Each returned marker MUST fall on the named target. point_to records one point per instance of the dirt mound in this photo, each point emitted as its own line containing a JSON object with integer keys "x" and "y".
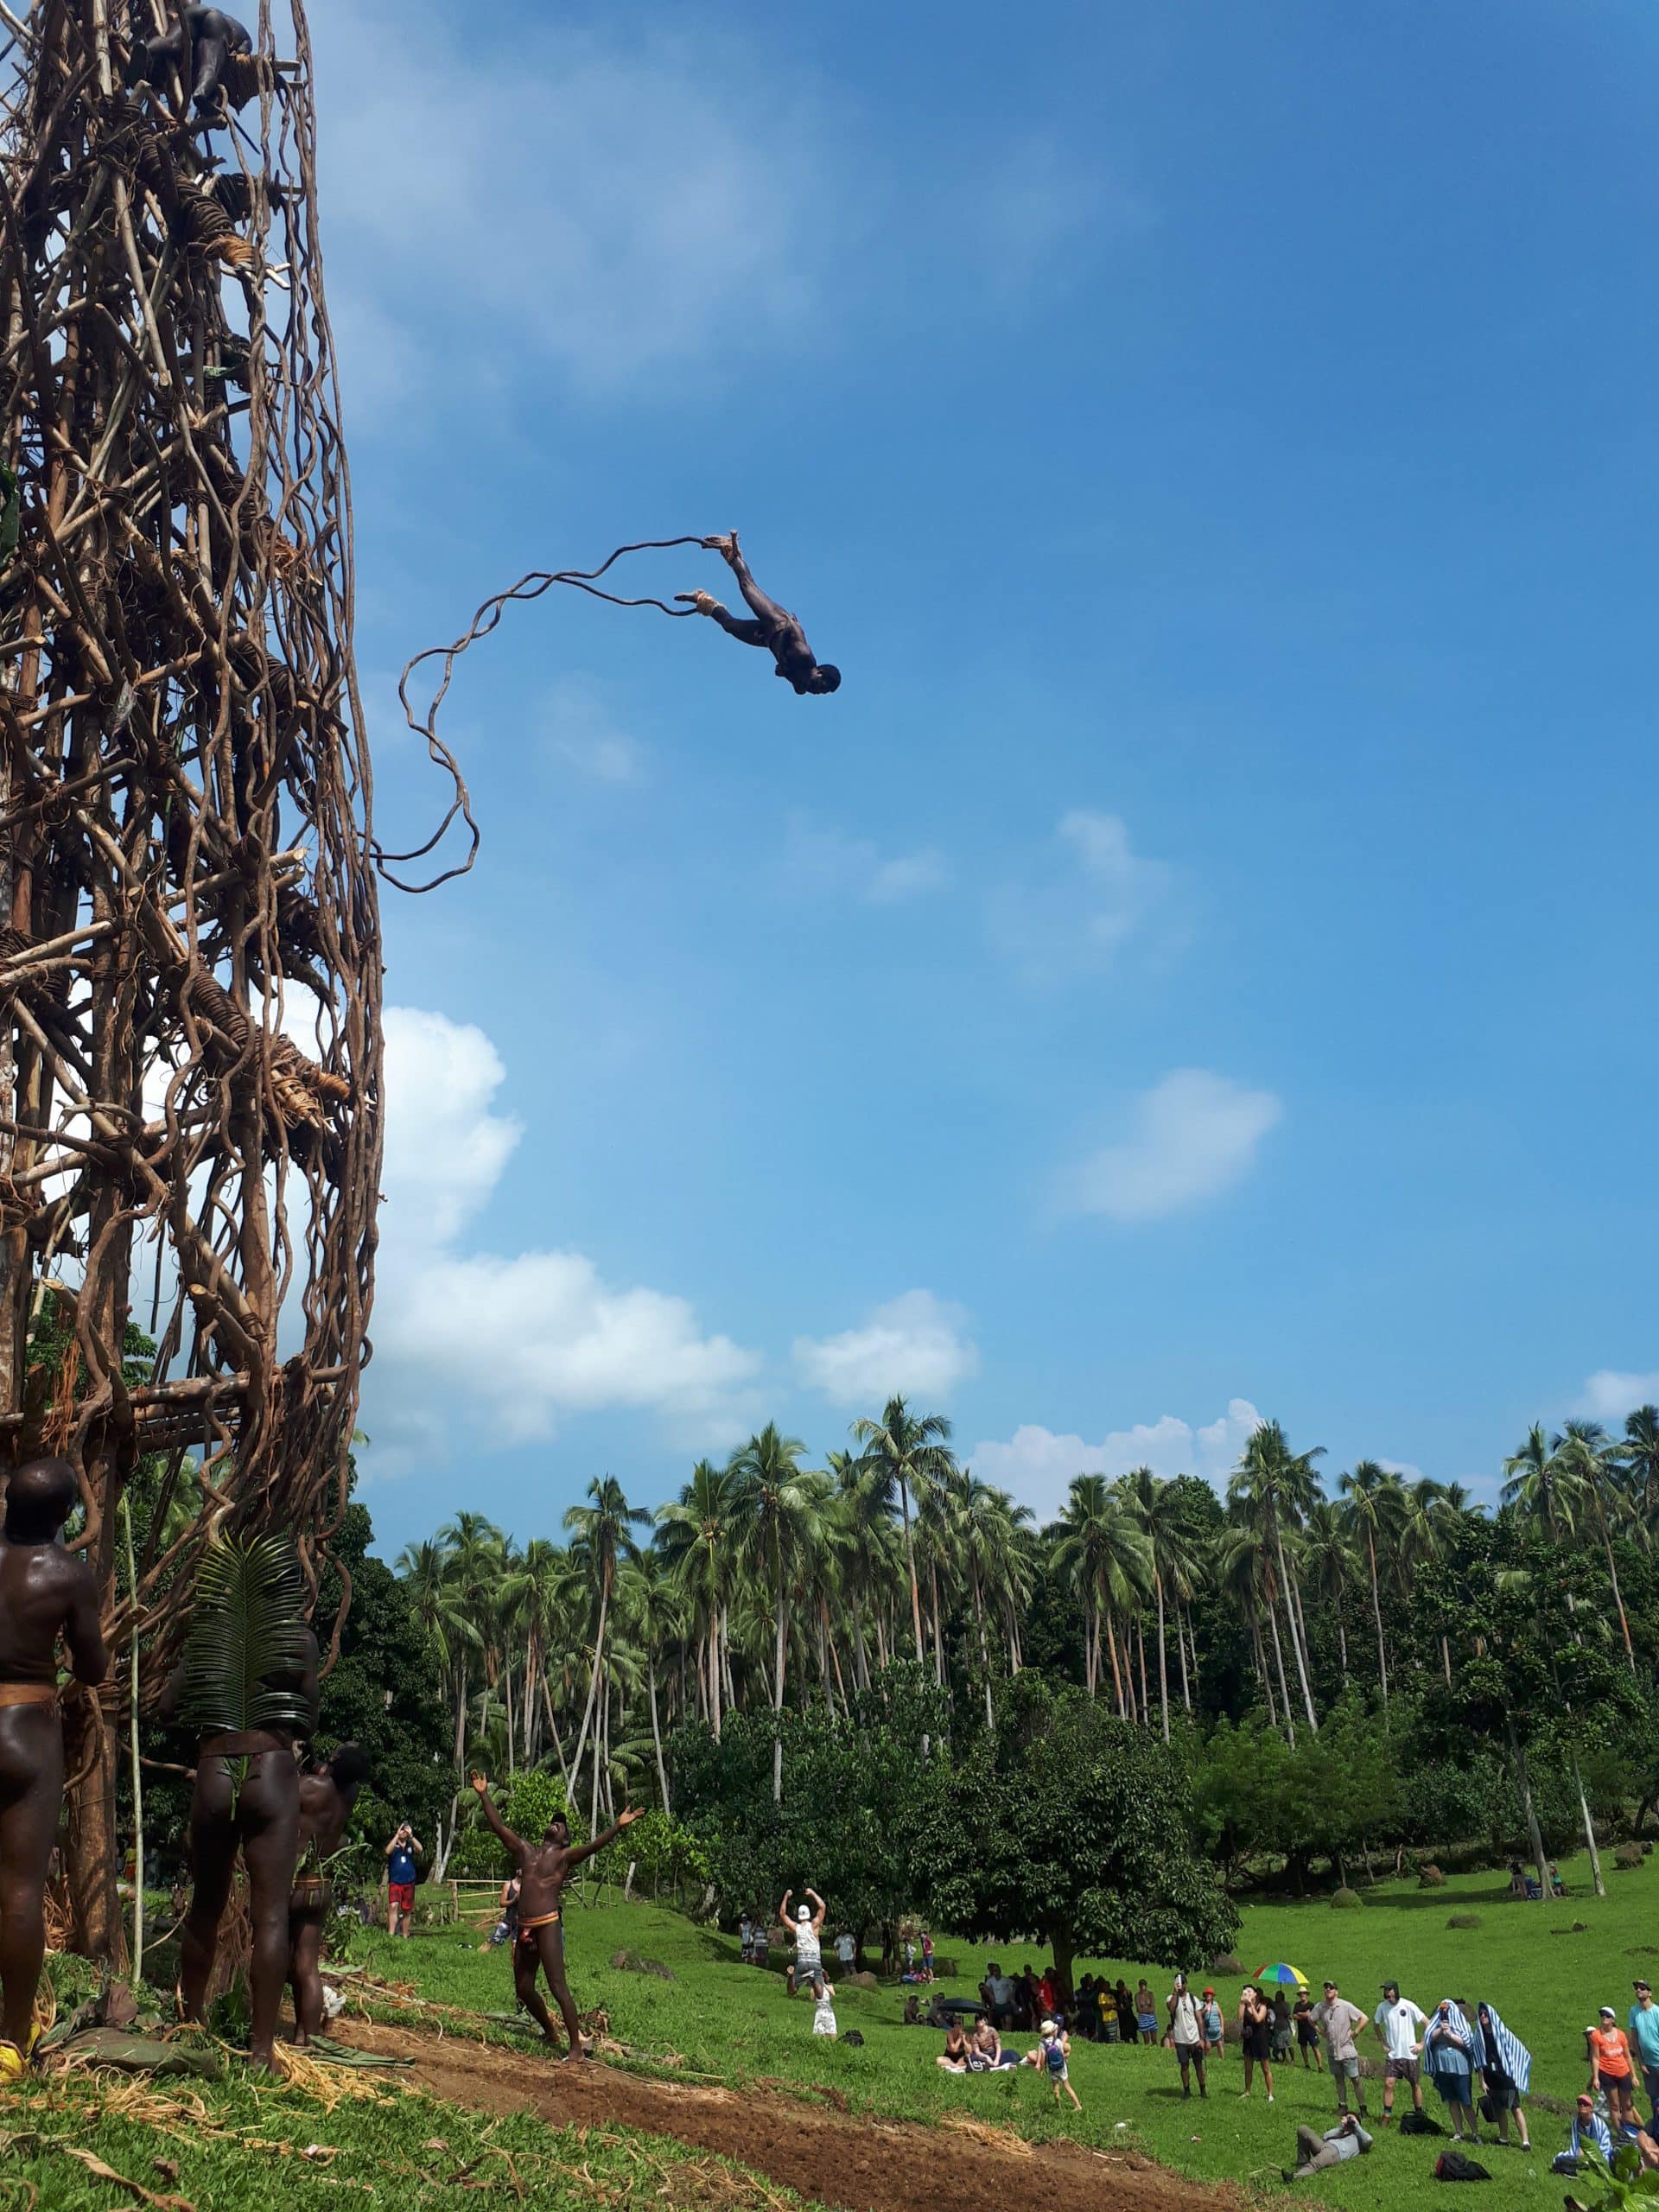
{"x": 852, "y": 2161}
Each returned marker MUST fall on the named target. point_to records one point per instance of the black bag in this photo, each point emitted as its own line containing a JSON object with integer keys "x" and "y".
{"x": 1488, "y": 2110}
{"x": 853, "y": 2036}
{"x": 1451, "y": 2165}
{"x": 1419, "y": 2123}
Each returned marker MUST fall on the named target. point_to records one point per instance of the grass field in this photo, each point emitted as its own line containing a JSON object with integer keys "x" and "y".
{"x": 720, "y": 2018}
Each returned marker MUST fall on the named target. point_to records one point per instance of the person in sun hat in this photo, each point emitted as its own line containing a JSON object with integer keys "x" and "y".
{"x": 1608, "y": 2050}
{"x": 1214, "y": 2022}
{"x": 1398, "y": 2026}
{"x": 1643, "y": 2027}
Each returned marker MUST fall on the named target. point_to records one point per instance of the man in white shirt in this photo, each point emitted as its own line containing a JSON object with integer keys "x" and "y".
{"x": 846, "y": 1950}
{"x": 1186, "y": 2034}
{"x": 1000, "y": 1988}
{"x": 807, "y": 1928}
{"x": 1399, "y": 2024}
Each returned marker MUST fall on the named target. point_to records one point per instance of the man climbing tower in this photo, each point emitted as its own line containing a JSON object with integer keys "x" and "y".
{"x": 45, "y": 1593}
{"x": 200, "y": 42}
{"x": 773, "y": 626}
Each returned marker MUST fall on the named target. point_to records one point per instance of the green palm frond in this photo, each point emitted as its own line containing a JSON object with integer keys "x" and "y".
{"x": 247, "y": 1646}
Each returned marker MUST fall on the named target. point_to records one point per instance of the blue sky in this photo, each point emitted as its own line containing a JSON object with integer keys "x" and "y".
{"x": 1201, "y": 961}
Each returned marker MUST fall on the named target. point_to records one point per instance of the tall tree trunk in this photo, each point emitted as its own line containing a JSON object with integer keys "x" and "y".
{"x": 553, "y": 1730}
{"x": 1341, "y": 1639}
{"x": 1535, "y": 1834}
{"x": 984, "y": 1654}
{"x": 1612, "y": 1576}
{"x": 1163, "y": 1660}
{"x": 909, "y": 1564}
{"x": 1296, "y": 1641}
{"x": 590, "y": 1710}
{"x": 778, "y": 1692}
{"x": 1180, "y": 1647}
{"x": 1279, "y": 1661}
{"x": 1376, "y": 1608}
{"x": 655, "y": 1730}
{"x": 1589, "y": 1830}
{"x": 1141, "y": 1648}
{"x": 939, "y": 1638}
{"x": 1186, "y": 1614}
{"x": 1117, "y": 1677}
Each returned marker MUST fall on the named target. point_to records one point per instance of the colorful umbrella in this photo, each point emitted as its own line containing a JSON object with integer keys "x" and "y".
{"x": 1287, "y": 1977}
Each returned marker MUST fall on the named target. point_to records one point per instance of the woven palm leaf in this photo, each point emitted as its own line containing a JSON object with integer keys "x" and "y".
{"x": 247, "y": 1632}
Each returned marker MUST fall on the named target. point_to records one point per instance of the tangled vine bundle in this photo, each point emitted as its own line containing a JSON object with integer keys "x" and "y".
{"x": 190, "y": 955}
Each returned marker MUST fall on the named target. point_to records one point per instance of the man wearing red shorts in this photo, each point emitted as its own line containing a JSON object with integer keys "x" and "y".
{"x": 401, "y": 1854}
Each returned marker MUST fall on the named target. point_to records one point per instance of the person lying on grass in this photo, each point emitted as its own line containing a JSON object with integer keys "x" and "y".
{"x": 543, "y": 1870}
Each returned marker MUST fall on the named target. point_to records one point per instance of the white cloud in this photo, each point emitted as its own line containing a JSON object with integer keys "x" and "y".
{"x": 1038, "y": 1466}
{"x": 608, "y": 202}
{"x": 913, "y": 1346}
{"x": 521, "y": 1338}
{"x": 1193, "y": 1135}
{"x": 1072, "y": 911}
{"x": 580, "y": 730}
{"x": 1610, "y": 1394}
{"x": 1036, "y": 214}
{"x": 828, "y": 861}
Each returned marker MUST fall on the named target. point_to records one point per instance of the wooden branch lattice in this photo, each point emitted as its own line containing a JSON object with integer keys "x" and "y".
{"x": 189, "y": 932}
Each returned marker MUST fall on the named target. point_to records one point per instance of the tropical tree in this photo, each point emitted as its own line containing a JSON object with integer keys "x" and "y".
{"x": 1377, "y": 1511}
{"x": 602, "y": 1531}
{"x": 1103, "y": 1554}
{"x": 907, "y": 1455}
{"x": 1271, "y": 1488}
{"x": 777, "y": 1505}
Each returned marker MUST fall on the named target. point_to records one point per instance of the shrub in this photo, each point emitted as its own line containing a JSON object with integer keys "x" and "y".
{"x": 1430, "y": 1878}
{"x": 1346, "y": 1900}
{"x": 1628, "y": 1855}
{"x": 1225, "y": 1962}
{"x": 1464, "y": 1920}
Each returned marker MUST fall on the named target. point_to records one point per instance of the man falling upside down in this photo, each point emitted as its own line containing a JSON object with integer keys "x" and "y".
{"x": 773, "y": 626}
{"x": 543, "y": 1870}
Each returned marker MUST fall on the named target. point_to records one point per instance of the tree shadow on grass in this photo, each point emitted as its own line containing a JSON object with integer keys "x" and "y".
{"x": 1446, "y": 1900}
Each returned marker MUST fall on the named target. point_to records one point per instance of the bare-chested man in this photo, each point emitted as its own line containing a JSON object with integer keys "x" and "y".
{"x": 44, "y": 1593}
{"x": 254, "y": 1809}
{"x": 773, "y": 626}
{"x": 543, "y": 1870}
{"x": 200, "y": 42}
{"x": 326, "y": 1800}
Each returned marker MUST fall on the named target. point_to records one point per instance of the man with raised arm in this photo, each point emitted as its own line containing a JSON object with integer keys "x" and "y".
{"x": 44, "y": 1595}
{"x": 543, "y": 1870}
{"x": 807, "y": 1929}
{"x": 773, "y": 626}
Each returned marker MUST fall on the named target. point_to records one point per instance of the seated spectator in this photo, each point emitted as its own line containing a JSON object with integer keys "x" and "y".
{"x": 985, "y": 2052}
{"x": 912, "y": 2013}
{"x": 1347, "y": 2139}
{"x": 938, "y": 2014}
{"x": 1534, "y": 1894}
{"x": 954, "y": 2058}
{"x": 1518, "y": 1878}
{"x": 1590, "y": 2132}
{"x": 1558, "y": 1888}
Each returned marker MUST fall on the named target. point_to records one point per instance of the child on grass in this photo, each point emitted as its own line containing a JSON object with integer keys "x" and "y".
{"x": 1051, "y": 2056}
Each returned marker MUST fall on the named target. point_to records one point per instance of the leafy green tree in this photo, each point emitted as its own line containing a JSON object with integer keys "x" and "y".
{"x": 1072, "y": 1822}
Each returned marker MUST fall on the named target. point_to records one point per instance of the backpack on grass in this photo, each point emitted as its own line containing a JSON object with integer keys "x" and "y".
{"x": 1451, "y": 2165}
{"x": 1419, "y": 2123}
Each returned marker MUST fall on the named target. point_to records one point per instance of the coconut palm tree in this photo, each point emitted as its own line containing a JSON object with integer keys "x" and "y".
{"x": 1377, "y": 1511}
{"x": 652, "y": 1607}
{"x": 602, "y": 1535}
{"x": 1331, "y": 1560}
{"x": 1637, "y": 1457}
{"x": 1271, "y": 1488}
{"x": 698, "y": 1535}
{"x": 984, "y": 1522}
{"x": 1584, "y": 1459}
{"x": 1103, "y": 1553}
{"x": 907, "y": 1455}
{"x": 777, "y": 1503}
{"x": 1171, "y": 1553}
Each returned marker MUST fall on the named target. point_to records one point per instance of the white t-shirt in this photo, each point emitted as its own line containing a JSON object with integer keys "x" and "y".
{"x": 1184, "y": 2018}
{"x": 1001, "y": 1990}
{"x": 845, "y": 1948}
{"x": 1402, "y": 2023}
{"x": 744, "y": 1932}
{"x": 807, "y": 1950}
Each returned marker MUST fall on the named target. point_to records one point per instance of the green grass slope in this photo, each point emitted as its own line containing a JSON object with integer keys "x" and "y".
{"x": 719, "y": 2017}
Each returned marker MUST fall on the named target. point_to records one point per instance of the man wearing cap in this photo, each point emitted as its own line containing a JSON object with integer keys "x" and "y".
{"x": 1342, "y": 2024}
{"x": 807, "y": 1929}
{"x": 1644, "y": 2025}
{"x": 1399, "y": 2024}
{"x": 1590, "y": 2132}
